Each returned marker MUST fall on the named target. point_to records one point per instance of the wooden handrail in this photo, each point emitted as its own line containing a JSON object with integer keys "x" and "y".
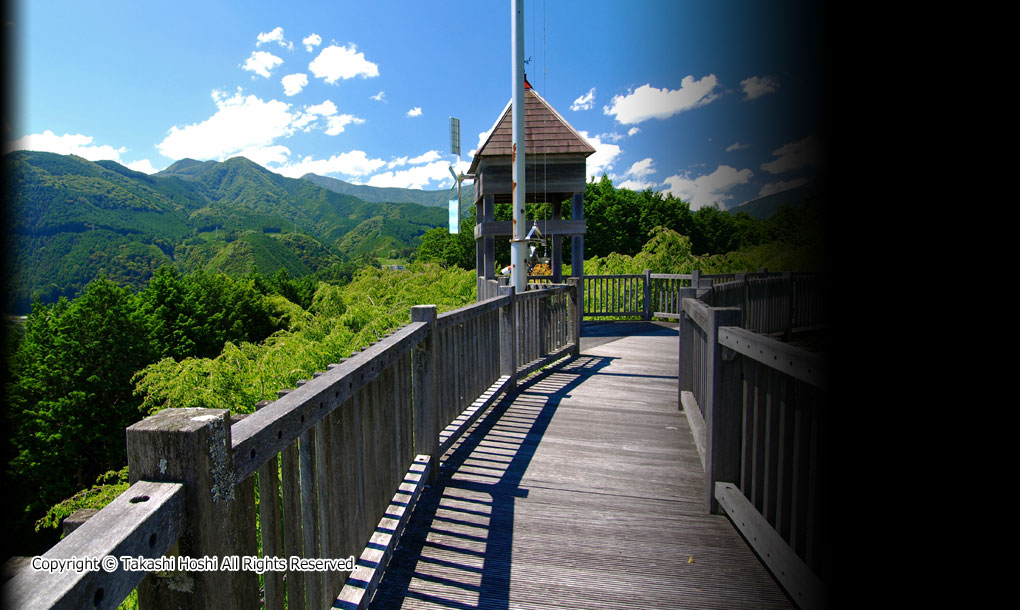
{"x": 326, "y": 457}
{"x": 757, "y": 409}
{"x": 145, "y": 521}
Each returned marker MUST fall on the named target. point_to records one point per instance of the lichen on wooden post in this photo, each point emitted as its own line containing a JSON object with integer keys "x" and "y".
{"x": 192, "y": 446}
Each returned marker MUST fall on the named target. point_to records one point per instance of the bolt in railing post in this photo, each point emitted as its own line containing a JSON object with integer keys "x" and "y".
{"x": 192, "y": 446}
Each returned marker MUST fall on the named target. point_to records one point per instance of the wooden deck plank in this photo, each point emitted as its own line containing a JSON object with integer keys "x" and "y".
{"x": 585, "y": 490}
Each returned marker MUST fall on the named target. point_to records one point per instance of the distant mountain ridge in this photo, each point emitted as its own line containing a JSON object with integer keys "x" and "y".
{"x": 765, "y": 206}
{"x": 73, "y": 220}
{"x": 381, "y": 194}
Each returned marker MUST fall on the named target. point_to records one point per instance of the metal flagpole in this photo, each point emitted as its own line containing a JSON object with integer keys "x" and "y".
{"x": 518, "y": 270}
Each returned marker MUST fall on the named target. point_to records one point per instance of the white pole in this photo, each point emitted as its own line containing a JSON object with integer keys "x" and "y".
{"x": 518, "y": 270}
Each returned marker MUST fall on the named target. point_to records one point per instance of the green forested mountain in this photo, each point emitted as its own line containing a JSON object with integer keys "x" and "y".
{"x": 387, "y": 194}
{"x": 72, "y": 220}
{"x": 767, "y": 205}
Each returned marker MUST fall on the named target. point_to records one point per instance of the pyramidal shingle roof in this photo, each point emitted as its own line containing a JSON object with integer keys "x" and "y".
{"x": 545, "y": 132}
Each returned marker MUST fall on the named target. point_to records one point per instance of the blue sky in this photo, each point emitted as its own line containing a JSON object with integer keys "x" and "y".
{"x": 713, "y": 101}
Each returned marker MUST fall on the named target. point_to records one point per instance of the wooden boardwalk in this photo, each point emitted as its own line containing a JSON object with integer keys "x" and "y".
{"x": 583, "y": 491}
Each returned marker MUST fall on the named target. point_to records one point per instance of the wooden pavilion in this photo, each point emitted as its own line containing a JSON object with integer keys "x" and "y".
{"x": 554, "y": 172}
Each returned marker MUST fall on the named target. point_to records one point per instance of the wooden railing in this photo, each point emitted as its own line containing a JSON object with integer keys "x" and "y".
{"x": 646, "y": 295}
{"x": 774, "y": 304}
{"x": 329, "y": 471}
{"x": 758, "y": 410}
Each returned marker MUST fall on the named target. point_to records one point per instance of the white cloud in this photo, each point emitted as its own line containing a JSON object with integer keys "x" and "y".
{"x": 430, "y": 156}
{"x": 80, "y": 145}
{"x": 294, "y": 83}
{"x": 737, "y": 146}
{"x": 379, "y": 97}
{"x": 642, "y": 168}
{"x": 602, "y": 160}
{"x": 241, "y": 123}
{"x": 311, "y": 41}
{"x": 67, "y": 144}
{"x": 795, "y": 155}
{"x": 416, "y": 111}
{"x": 708, "y": 189}
{"x": 336, "y": 62}
{"x": 636, "y": 185}
{"x": 275, "y": 36}
{"x": 647, "y": 102}
{"x": 585, "y": 102}
{"x": 633, "y": 130}
{"x": 336, "y": 124}
{"x": 757, "y": 86}
{"x": 418, "y": 177}
{"x": 351, "y": 163}
{"x": 482, "y": 137}
{"x": 636, "y": 175}
{"x": 266, "y": 156}
{"x": 261, "y": 63}
{"x": 327, "y": 108}
{"x": 778, "y": 187}
{"x": 427, "y": 157}
{"x": 143, "y": 166}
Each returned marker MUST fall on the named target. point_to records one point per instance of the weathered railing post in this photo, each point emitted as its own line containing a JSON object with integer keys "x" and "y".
{"x": 192, "y": 446}
{"x": 423, "y": 391}
{"x": 685, "y": 381}
{"x": 722, "y": 407}
{"x": 574, "y": 314}
{"x": 508, "y": 337}
{"x": 647, "y": 310}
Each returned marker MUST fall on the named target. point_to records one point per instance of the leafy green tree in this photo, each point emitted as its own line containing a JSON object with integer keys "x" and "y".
{"x": 71, "y": 395}
{"x": 196, "y": 314}
{"x": 438, "y": 245}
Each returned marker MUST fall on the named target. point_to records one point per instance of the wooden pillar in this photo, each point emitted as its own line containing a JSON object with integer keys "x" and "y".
{"x": 575, "y": 314}
{"x": 269, "y": 518}
{"x": 508, "y": 338}
{"x": 557, "y": 244}
{"x": 479, "y": 249}
{"x": 489, "y": 257}
{"x": 646, "y": 312}
{"x": 192, "y": 446}
{"x": 577, "y": 247}
{"x": 722, "y": 408}
{"x": 685, "y": 380}
{"x": 423, "y": 392}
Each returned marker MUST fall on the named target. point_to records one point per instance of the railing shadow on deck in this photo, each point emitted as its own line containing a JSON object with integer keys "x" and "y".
{"x": 525, "y": 417}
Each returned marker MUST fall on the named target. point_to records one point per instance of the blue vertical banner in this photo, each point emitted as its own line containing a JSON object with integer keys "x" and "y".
{"x": 454, "y": 216}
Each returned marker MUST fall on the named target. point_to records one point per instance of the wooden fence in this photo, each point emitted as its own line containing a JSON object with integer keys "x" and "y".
{"x": 758, "y": 410}
{"x": 645, "y": 295}
{"x": 774, "y": 304}
{"x": 329, "y": 471}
